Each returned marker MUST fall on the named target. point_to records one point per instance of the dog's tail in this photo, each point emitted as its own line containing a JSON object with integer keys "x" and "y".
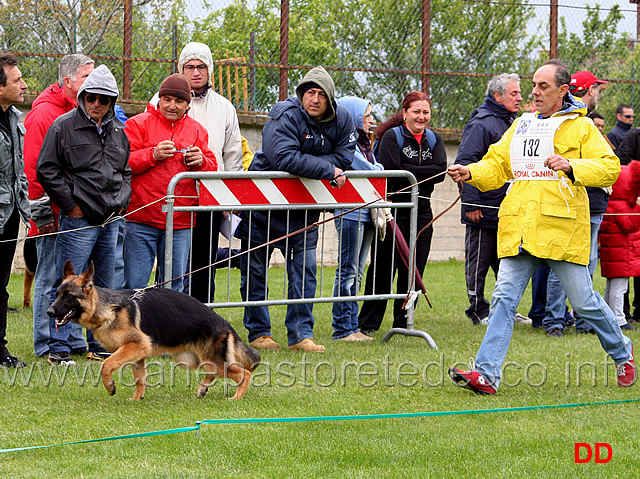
{"x": 244, "y": 355}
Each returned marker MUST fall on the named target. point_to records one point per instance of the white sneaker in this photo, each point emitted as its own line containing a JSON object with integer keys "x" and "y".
{"x": 520, "y": 319}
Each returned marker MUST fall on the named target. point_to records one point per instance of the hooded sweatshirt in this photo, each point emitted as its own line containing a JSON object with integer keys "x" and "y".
{"x": 320, "y": 77}
{"x": 294, "y": 142}
{"x": 358, "y": 107}
{"x": 86, "y": 165}
{"x": 213, "y": 111}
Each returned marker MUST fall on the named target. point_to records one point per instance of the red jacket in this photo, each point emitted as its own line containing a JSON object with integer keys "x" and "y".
{"x": 620, "y": 229}
{"x": 151, "y": 178}
{"x": 49, "y": 105}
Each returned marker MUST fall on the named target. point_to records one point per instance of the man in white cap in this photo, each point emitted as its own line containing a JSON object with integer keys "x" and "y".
{"x": 219, "y": 117}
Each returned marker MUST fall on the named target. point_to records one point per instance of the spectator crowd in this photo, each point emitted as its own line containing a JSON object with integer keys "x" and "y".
{"x": 544, "y": 198}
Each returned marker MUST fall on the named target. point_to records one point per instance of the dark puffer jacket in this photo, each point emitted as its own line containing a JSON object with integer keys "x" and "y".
{"x": 294, "y": 142}
{"x": 486, "y": 126}
{"x": 620, "y": 229}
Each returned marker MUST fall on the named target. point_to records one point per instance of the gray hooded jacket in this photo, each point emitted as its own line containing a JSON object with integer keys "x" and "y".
{"x": 82, "y": 165}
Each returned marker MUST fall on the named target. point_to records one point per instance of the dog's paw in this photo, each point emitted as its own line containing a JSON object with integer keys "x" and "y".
{"x": 111, "y": 388}
{"x": 202, "y": 392}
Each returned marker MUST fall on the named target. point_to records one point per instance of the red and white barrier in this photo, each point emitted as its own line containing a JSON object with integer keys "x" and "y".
{"x": 288, "y": 191}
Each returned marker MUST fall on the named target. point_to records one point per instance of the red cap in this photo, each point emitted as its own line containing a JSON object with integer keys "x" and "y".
{"x": 582, "y": 80}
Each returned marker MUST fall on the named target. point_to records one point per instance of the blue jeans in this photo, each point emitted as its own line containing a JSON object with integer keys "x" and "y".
{"x": 300, "y": 254}
{"x": 556, "y": 304}
{"x": 354, "y": 240}
{"x": 45, "y": 278}
{"x": 97, "y": 244}
{"x": 143, "y": 244}
{"x": 119, "y": 271}
{"x": 513, "y": 276}
{"x": 596, "y": 221}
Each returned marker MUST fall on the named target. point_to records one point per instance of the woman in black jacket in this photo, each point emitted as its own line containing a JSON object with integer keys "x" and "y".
{"x": 419, "y": 154}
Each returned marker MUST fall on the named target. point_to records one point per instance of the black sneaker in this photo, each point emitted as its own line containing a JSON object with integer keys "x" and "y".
{"x": 628, "y": 327}
{"x": 78, "y": 351}
{"x": 11, "y": 362}
{"x": 62, "y": 358}
{"x": 98, "y": 355}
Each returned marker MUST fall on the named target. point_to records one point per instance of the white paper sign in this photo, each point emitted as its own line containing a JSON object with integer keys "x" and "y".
{"x": 229, "y": 224}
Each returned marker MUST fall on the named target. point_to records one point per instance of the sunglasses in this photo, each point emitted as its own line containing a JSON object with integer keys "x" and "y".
{"x": 190, "y": 68}
{"x": 103, "y": 99}
{"x": 628, "y": 116}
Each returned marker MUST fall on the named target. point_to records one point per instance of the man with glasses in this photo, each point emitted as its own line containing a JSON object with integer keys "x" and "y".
{"x": 164, "y": 142}
{"x": 624, "y": 115}
{"x": 83, "y": 167}
{"x": 218, "y": 116}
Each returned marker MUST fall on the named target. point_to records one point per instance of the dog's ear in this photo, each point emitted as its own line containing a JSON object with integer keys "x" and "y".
{"x": 87, "y": 276}
{"x": 68, "y": 270}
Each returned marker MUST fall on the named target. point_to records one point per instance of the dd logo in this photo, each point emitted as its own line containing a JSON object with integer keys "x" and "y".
{"x": 598, "y": 447}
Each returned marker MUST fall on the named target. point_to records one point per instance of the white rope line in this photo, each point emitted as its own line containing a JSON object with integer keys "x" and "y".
{"x": 110, "y": 219}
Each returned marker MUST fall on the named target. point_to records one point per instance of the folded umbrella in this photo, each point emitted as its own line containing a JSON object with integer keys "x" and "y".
{"x": 403, "y": 251}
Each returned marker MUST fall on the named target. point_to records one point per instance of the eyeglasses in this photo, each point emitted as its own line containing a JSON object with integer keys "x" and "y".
{"x": 103, "y": 99}
{"x": 201, "y": 68}
{"x": 628, "y": 116}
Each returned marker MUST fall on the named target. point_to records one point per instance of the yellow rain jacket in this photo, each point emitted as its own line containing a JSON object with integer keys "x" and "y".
{"x": 545, "y": 218}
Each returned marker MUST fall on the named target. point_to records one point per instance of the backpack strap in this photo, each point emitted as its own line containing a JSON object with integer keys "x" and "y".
{"x": 431, "y": 140}
{"x": 431, "y": 137}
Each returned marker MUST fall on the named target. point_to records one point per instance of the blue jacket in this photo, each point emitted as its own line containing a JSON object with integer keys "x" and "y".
{"x": 293, "y": 142}
{"x": 357, "y": 108}
{"x": 13, "y": 181}
{"x": 486, "y": 126}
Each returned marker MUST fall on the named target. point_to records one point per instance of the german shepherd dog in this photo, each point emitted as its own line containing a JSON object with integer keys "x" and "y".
{"x": 136, "y": 325}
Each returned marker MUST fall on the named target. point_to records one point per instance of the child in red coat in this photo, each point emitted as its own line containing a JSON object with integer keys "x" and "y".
{"x": 620, "y": 239}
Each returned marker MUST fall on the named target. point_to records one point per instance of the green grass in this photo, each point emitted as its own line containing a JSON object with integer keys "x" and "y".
{"x": 529, "y": 444}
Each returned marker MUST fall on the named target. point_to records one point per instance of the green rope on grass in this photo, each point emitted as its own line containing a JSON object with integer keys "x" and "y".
{"x": 267, "y": 420}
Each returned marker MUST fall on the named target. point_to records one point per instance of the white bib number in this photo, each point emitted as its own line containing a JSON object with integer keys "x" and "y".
{"x": 532, "y": 144}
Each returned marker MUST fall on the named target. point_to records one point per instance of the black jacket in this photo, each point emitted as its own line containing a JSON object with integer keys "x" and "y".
{"x": 79, "y": 166}
{"x": 417, "y": 159}
{"x": 486, "y": 126}
{"x": 629, "y": 147}
{"x": 617, "y": 133}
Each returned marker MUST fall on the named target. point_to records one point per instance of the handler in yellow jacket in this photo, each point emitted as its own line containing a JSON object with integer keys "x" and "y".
{"x": 550, "y": 156}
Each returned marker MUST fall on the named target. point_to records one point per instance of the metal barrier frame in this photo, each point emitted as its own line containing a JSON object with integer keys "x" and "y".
{"x": 169, "y": 207}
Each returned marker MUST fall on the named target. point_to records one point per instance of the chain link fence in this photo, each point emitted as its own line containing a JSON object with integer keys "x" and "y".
{"x": 377, "y": 49}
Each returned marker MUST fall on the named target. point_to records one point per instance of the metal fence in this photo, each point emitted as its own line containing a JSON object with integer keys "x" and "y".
{"x": 376, "y": 49}
{"x": 229, "y": 191}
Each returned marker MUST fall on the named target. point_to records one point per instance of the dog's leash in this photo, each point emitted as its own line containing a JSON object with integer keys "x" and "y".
{"x": 413, "y": 252}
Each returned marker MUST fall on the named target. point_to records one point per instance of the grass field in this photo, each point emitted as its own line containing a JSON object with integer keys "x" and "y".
{"x": 40, "y": 406}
